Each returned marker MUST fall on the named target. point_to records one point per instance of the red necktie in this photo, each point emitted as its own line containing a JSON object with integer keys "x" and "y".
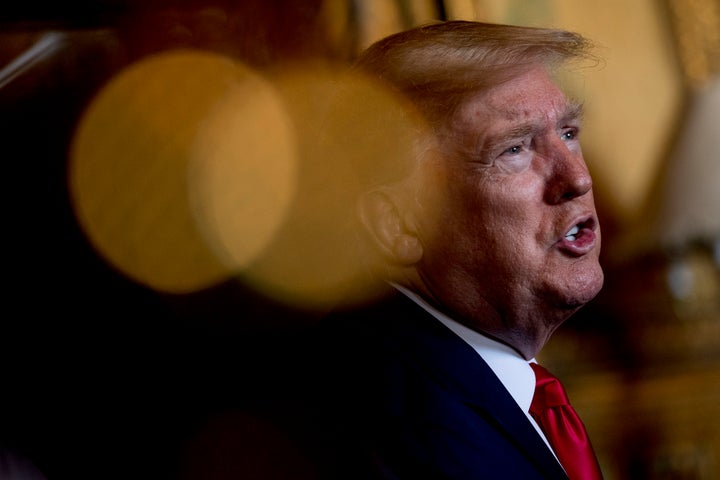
{"x": 563, "y": 428}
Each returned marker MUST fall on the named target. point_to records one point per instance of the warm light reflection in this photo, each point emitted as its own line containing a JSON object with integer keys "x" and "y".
{"x": 189, "y": 169}
{"x": 352, "y": 133}
{"x": 129, "y": 167}
{"x": 243, "y": 173}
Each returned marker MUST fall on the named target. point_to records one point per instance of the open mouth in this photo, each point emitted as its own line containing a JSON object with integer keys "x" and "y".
{"x": 580, "y": 228}
{"x": 580, "y": 238}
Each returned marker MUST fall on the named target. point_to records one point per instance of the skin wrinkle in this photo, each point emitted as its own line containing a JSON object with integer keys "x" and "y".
{"x": 502, "y": 220}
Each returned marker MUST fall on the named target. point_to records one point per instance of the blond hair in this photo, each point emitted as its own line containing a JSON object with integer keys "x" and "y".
{"x": 436, "y": 66}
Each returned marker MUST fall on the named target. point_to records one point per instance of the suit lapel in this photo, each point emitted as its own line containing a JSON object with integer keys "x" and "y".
{"x": 460, "y": 369}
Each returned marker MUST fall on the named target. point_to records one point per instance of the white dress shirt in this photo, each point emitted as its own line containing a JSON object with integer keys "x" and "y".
{"x": 512, "y": 369}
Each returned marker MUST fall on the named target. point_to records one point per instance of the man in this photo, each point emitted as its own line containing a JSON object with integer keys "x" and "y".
{"x": 490, "y": 242}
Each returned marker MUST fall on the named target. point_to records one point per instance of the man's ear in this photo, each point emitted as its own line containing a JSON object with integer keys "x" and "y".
{"x": 385, "y": 221}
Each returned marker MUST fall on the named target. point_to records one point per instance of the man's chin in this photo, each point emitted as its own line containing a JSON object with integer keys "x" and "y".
{"x": 575, "y": 296}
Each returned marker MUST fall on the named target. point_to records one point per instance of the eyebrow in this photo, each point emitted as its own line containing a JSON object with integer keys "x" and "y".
{"x": 572, "y": 112}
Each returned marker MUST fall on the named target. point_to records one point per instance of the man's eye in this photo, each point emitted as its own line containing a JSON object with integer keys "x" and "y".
{"x": 569, "y": 134}
{"x": 513, "y": 150}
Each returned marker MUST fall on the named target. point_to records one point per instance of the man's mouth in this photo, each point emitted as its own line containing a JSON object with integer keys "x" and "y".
{"x": 580, "y": 239}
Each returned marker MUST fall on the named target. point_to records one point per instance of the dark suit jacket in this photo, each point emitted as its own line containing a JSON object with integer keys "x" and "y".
{"x": 399, "y": 396}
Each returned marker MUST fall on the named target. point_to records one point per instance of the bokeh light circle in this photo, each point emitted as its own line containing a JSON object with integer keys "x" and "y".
{"x": 135, "y": 154}
{"x": 352, "y": 132}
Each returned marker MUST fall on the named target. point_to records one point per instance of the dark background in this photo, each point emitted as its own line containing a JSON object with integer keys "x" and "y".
{"x": 103, "y": 378}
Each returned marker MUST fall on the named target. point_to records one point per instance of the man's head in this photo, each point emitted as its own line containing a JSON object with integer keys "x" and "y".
{"x": 496, "y": 223}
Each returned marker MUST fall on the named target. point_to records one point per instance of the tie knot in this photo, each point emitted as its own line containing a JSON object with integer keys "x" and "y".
{"x": 563, "y": 428}
{"x": 549, "y": 392}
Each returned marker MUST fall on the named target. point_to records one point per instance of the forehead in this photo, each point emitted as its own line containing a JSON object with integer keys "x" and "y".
{"x": 529, "y": 96}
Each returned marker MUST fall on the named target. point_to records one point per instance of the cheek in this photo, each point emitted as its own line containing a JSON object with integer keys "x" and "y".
{"x": 501, "y": 234}
{"x": 512, "y": 211}
{"x": 497, "y": 213}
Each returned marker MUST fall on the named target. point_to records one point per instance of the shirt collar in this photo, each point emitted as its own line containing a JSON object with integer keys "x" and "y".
{"x": 512, "y": 369}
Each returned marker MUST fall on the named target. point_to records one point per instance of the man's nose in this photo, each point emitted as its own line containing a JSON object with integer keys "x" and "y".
{"x": 568, "y": 176}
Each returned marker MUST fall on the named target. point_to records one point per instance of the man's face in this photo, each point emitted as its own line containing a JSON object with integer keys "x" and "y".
{"x": 516, "y": 232}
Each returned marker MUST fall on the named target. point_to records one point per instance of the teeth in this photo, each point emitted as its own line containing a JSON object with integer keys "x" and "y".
{"x": 570, "y": 235}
